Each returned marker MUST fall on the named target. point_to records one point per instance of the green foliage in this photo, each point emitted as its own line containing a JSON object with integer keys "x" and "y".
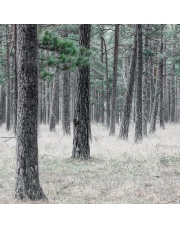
{"x": 2, "y": 78}
{"x": 148, "y": 52}
{"x": 64, "y": 53}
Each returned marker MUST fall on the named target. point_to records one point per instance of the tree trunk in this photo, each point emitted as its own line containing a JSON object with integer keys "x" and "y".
{"x": 66, "y": 103}
{"x": 8, "y": 105}
{"x": 27, "y": 173}
{"x": 138, "y": 126}
{"x": 15, "y": 79}
{"x": 161, "y": 83}
{"x": 107, "y": 88}
{"x": 81, "y": 148}
{"x": 113, "y": 109}
{"x": 144, "y": 90}
{"x": 124, "y": 129}
{"x": 52, "y": 123}
{"x": 156, "y": 101}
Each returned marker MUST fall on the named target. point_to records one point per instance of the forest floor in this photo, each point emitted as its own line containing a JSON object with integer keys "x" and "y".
{"x": 118, "y": 171}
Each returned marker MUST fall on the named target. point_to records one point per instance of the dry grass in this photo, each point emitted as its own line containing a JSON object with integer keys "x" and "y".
{"x": 118, "y": 172}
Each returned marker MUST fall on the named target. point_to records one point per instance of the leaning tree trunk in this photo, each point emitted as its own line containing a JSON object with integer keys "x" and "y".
{"x": 113, "y": 109}
{"x": 129, "y": 93}
{"x": 138, "y": 126}
{"x": 27, "y": 173}
{"x": 66, "y": 104}
{"x": 81, "y": 148}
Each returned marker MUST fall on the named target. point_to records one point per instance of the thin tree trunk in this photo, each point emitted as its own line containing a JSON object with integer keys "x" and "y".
{"x": 107, "y": 88}
{"x": 161, "y": 83}
{"x": 66, "y": 104}
{"x": 8, "y": 106}
{"x": 15, "y": 79}
{"x": 52, "y": 123}
{"x": 144, "y": 90}
{"x": 138, "y": 126}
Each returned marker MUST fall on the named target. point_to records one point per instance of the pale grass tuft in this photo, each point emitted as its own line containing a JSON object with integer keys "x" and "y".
{"x": 118, "y": 171}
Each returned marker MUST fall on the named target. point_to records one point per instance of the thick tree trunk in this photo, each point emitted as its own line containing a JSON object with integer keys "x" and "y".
{"x": 81, "y": 148}
{"x": 113, "y": 108}
{"x": 66, "y": 103}
{"x": 129, "y": 93}
{"x": 27, "y": 173}
{"x": 138, "y": 126}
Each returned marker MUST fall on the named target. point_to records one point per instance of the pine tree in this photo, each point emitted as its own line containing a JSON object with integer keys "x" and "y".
{"x": 81, "y": 148}
{"x": 27, "y": 173}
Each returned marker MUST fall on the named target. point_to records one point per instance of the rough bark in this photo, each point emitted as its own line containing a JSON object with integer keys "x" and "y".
{"x": 152, "y": 128}
{"x": 52, "y": 122}
{"x": 27, "y": 173}
{"x": 124, "y": 129}
{"x": 2, "y": 105}
{"x": 102, "y": 86}
{"x": 138, "y": 123}
{"x": 66, "y": 103}
{"x": 81, "y": 148}
{"x": 161, "y": 112}
{"x": 107, "y": 88}
{"x": 115, "y": 67}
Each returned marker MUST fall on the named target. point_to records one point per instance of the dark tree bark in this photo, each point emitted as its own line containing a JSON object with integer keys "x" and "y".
{"x": 102, "y": 86}
{"x": 113, "y": 108}
{"x": 144, "y": 90}
{"x": 172, "y": 91}
{"x": 161, "y": 112}
{"x": 81, "y": 148}
{"x": 52, "y": 123}
{"x": 138, "y": 126}
{"x": 152, "y": 128}
{"x": 2, "y": 106}
{"x": 43, "y": 102}
{"x": 138, "y": 120}
{"x": 27, "y": 173}
{"x": 124, "y": 129}
{"x": 47, "y": 102}
{"x": 107, "y": 88}
{"x": 66, "y": 103}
